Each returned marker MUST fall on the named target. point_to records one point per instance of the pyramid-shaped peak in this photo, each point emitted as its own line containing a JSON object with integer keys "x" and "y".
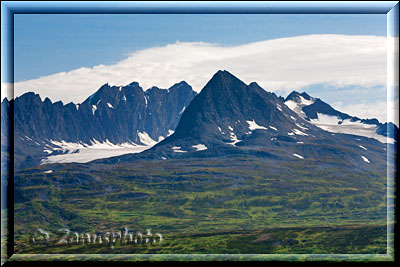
{"x": 223, "y": 74}
{"x": 224, "y": 79}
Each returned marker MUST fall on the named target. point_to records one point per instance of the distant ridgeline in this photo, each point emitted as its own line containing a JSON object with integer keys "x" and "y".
{"x": 112, "y": 115}
{"x": 315, "y": 110}
{"x": 227, "y": 114}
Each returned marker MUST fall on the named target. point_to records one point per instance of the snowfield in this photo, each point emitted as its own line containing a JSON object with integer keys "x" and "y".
{"x": 83, "y": 153}
{"x": 331, "y": 124}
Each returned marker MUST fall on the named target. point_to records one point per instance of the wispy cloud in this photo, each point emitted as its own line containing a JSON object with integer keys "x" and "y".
{"x": 279, "y": 65}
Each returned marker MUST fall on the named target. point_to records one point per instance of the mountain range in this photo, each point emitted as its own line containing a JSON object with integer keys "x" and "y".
{"x": 230, "y": 118}
{"x": 225, "y": 118}
{"x": 124, "y": 118}
{"x": 236, "y": 166}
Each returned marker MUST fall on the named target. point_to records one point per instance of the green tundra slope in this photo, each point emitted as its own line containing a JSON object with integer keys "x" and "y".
{"x": 237, "y": 204}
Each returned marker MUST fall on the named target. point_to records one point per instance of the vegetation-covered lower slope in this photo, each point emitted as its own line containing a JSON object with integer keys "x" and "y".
{"x": 214, "y": 205}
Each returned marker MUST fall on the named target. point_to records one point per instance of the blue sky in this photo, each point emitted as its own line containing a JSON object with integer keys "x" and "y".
{"x": 338, "y": 58}
{"x": 47, "y": 44}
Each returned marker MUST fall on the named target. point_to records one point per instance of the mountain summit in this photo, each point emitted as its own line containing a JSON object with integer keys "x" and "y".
{"x": 227, "y": 111}
{"x": 229, "y": 118}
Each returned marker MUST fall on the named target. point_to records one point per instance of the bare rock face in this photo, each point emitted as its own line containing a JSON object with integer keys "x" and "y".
{"x": 114, "y": 114}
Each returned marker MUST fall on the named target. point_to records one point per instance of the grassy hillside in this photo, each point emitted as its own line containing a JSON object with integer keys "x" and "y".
{"x": 218, "y": 205}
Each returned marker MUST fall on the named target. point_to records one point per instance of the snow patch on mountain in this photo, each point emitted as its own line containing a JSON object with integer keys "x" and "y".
{"x": 146, "y": 139}
{"x": 183, "y": 109}
{"x": 365, "y": 159}
{"x": 298, "y": 132}
{"x": 306, "y": 102}
{"x": 298, "y": 156}
{"x": 200, "y": 147}
{"x": 302, "y": 127}
{"x": 94, "y": 108}
{"x": 254, "y": 126}
{"x": 233, "y": 138}
{"x": 291, "y": 104}
{"x": 298, "y": 106}
{"x": 177, "y": 149}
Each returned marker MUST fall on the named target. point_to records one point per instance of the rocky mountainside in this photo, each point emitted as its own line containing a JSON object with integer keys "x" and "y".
{"x": 112, "y": 115}
{"x": 229, "y": 118}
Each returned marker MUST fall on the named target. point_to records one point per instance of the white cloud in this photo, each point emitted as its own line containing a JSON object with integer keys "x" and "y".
{"x": 6, "y": 90}
{"x": 277, "y": 65}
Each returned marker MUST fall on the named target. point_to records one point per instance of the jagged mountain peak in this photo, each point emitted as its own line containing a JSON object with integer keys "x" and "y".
{"x": 48, "y": 101}
{"x": 227, "y": 111}
{"x": 113, "y": 114}
{"x": 230, "y": 118}
{"x": 29, "y": 96}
